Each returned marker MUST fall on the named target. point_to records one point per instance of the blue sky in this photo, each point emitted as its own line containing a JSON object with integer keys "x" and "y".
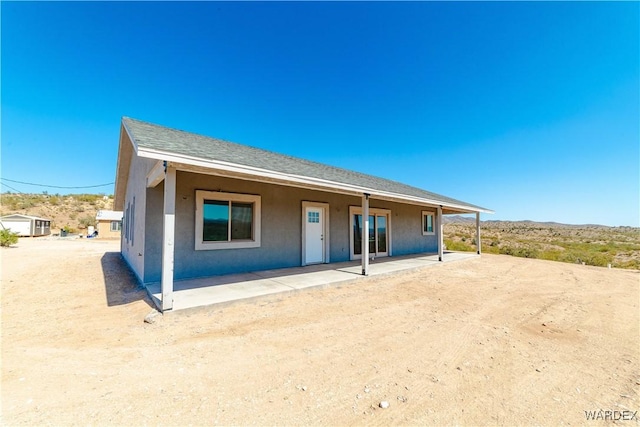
{"x": 529, "y": 109}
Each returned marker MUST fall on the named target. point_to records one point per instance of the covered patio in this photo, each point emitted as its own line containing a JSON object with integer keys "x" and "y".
{"x": 246, "y": 286}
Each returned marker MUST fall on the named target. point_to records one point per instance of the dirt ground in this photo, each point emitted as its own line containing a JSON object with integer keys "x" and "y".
{"x": 495, "y": 340}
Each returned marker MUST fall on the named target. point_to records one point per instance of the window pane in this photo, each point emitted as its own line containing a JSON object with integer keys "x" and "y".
{"x": 428, "y": 223}
{"x": 313, "y": 217}
{"x": 357, "y": 234}
{"x": 382, "y": 233}
{"x": 241, "y": 221}
{"x": 215, "y": 226}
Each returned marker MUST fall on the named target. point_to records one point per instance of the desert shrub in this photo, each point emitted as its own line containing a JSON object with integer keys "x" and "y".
{"x": 597, "y": 259}
{"x": 8, "y": 238}
{"x": 9, "y": 201}
{"x": 506, "y": 250}
{"x": 631, "y": 264}
{"x": 523, "y": 252}
{"x": 551, "y": 255}
{"x": 454, "y": 245}
{"x": 54, "y": 200}
{"x": 25, "y": 204}
{"x": 89, "y": 198}
{"x": 67, "y": 228}
{"x": 488, "y": 249}
{"x": 526, "y": 252}
{"x": 86, "y": 221}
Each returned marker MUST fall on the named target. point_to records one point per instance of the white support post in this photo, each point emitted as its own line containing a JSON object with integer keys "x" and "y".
{"x": 168, "y": 233}
{"x": 440, "y": 234}
{"x": 478, "y": 241}
{"x": 365, "y": 235}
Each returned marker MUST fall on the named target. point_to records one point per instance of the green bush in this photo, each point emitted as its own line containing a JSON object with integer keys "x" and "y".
{"x": 453, "y": 245}
{"x": 520, "y": 252}
{"x": 8, "y": 238}
{"x": 631, "y": 264}
{"x": 489, "y": 249}
{"x": 90, "y": 198}
{"x": 69, "y": 229}
{"x": 86, "y": 221}
{"x": 26, "y": 204}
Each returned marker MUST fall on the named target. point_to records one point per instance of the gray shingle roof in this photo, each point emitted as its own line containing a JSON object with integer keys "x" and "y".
{"x": 173, "y": 141}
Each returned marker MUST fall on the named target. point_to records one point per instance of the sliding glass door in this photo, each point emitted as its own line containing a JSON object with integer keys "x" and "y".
{"x": 378, "y": 233}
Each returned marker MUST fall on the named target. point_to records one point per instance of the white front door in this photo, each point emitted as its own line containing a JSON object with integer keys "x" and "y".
{"x": 314, "y": 235}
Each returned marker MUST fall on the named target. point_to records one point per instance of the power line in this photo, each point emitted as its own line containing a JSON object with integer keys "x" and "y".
{"x": 14, "y": 189}
{"x": 54, "y": 186}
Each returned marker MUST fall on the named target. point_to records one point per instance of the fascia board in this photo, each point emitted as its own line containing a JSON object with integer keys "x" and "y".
{"x": 131, "y": 138}
{"x": 120, "y": 188}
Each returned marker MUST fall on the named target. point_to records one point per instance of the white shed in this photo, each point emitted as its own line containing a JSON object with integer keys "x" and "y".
{"x": 26, "y": 225}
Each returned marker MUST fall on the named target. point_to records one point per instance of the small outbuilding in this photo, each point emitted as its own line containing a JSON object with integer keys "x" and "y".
{"x": 109, "y": 223}
{"x": 26, "y": 225}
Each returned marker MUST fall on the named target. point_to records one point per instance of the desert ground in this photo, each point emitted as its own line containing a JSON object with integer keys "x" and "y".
{"x": 495, "y": 340}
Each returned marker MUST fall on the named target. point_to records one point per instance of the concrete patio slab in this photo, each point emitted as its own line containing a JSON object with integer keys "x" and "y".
{"x": 234, "y": 287}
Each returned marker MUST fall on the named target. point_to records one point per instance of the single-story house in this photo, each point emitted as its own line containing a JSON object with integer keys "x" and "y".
{"x": 196, "y": 206}
{"x": 109, "y": 223}
{"x": 26, "y": 225}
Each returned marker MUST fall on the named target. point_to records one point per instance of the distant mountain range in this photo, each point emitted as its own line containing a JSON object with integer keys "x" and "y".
{"x": 459, "y": 219}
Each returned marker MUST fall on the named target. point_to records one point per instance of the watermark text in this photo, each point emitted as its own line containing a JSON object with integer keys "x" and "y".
{"x": 611, "y": 415}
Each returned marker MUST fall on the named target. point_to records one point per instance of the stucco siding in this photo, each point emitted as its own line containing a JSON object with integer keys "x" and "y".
{"x": 132, "y": 243}
{"x": 154, "y": 206}
{"x": 281, "y": 237}
{"x": 104, "y": 230}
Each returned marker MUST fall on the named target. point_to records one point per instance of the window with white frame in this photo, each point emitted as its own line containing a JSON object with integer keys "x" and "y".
{"x": 428, "y": 223}
{"x": 116, "y": 225}
{"x": 227, "y": 220}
